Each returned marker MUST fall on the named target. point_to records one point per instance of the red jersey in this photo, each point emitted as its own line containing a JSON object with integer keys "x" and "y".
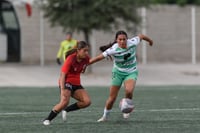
{"x": 72, "y": 68}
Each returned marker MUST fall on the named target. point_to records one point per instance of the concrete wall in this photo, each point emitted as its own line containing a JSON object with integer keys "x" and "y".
{"x": 168, "y": 26}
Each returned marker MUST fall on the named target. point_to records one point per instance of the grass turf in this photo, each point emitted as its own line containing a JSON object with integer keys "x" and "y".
{"x": 159, "y": 109}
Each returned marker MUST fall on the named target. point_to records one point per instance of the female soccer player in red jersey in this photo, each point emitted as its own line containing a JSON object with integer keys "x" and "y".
{"x": 69, "y": 83}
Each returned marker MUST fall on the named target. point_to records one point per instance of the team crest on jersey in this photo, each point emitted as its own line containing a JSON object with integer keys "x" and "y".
{"x": 126, "y": 56}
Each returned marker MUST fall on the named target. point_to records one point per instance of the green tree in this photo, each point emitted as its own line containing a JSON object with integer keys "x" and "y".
{"x": 179, "y": 2}
{"x": 87, "y": 15}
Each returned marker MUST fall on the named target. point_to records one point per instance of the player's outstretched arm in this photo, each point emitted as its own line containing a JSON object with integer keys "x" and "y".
{"x": 96, "y": 59}
{"x": 143, "y": 37}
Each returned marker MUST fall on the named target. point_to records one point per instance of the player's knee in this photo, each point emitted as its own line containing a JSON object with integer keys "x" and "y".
{"x": 87, "y": 102}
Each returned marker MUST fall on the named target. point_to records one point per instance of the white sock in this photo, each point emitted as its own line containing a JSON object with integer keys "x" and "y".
{"x": 106, "y": 112}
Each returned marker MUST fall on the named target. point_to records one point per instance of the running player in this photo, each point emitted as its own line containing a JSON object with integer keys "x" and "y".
{"x": 70, "y": 84}
{"x": 123, "y": 50}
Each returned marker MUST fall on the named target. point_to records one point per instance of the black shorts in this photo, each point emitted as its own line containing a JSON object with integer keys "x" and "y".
{"x": 73, "y": 88}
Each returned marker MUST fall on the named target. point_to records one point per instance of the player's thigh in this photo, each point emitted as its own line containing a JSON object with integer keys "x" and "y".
{"x": 81, "y": 95}
{"x": 65, "y": 94}
{"x": 129, "y": 85}
{"x": 130, "y": 81}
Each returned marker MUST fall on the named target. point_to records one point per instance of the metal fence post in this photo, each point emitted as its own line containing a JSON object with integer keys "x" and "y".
{"x": 193, "y": 33}
{"x": 144, "y": 49}
{"x": 41, "y": 39}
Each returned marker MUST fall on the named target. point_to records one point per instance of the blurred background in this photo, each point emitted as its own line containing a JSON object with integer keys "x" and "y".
{"x": 167, "y": 94}
{"x": 31, "y": 32}
{"x": 29, "y": 38}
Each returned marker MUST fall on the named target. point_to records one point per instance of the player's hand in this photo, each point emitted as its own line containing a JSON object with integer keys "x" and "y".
{"x": 58, "y": 61}
{"x": 151, "y": 42}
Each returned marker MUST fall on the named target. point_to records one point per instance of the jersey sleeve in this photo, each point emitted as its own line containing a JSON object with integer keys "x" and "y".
{"x": 110, "y": 51}
{"x": 66, "y": 66}
{"x": 134, "y": 40}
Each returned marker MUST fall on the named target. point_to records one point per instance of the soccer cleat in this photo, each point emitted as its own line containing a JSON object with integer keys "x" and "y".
{"x": 102, "y": 119}
{"x": 64, "y": 115}
{"x": 126, "y": 115}
{"x": 46, "y": 122}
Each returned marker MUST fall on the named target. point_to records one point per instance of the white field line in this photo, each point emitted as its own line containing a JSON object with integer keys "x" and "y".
{"x": 21, "y": 113}
{"x": 169, "y": 110}
{"x": 150, "y": 110}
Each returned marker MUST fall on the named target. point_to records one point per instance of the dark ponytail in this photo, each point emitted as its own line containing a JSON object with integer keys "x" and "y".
{"x": 80, "y": 45}
{"x": 104, "y": 47}
{"x": 70, "y": 52}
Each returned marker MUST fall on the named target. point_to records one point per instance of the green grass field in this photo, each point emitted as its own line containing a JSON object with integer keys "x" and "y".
{"x": 159, "y": 109}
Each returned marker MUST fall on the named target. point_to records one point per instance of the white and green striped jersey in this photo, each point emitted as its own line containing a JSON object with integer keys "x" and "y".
{"x": 124, "y": 59}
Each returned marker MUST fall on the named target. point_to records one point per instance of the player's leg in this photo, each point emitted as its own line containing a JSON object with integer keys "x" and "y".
{"x": 64, "y": 100}
{"x": 110, "y": 101}
{"x": 83, "y": 101}
{"x": 129, "y": 88}
{"x": 114, "y": 89}
{"x": 129, "y": 84}
{"x": 83, "y": 98}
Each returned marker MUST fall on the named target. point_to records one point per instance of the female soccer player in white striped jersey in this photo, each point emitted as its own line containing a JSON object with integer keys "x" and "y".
{"x": 123, "y": 50}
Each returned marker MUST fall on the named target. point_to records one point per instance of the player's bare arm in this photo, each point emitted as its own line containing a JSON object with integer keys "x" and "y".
{"x": 143, "y": 37}
{"x": 96, "y": 59}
